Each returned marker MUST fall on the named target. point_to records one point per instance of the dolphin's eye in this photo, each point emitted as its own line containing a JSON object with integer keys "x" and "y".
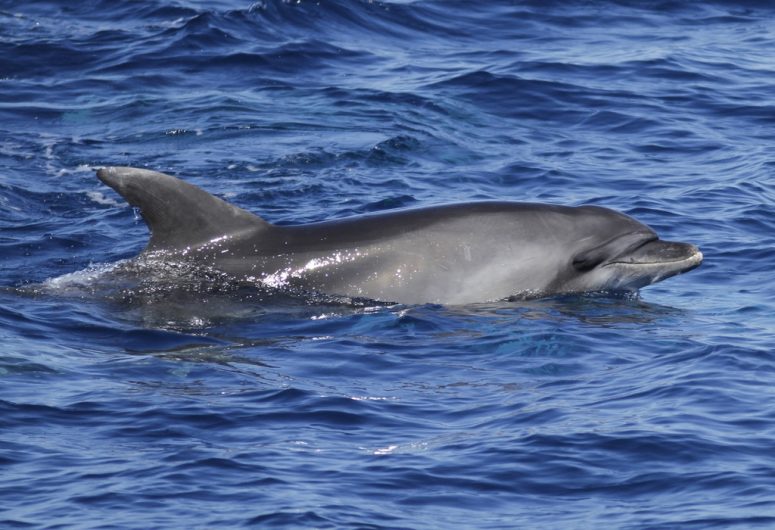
{"x": 586, "y": 261}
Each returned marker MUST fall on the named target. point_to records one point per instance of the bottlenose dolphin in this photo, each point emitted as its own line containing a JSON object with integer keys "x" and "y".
{"x": 453, "y": 254}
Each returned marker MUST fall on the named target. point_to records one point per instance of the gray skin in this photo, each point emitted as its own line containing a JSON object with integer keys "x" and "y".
{"x": 454, "y": 254}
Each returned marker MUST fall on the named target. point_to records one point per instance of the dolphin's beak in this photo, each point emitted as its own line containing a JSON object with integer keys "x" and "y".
{"x": 666, "y": 258}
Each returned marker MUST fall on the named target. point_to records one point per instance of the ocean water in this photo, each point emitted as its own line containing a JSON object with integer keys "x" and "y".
{"x": 206, "y": 407}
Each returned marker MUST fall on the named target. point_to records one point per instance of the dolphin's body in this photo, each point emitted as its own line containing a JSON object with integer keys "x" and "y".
{"x": 455, "y": 254}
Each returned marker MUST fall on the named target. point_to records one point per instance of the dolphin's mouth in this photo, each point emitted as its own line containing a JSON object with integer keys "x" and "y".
{"x": 673, "y": 256}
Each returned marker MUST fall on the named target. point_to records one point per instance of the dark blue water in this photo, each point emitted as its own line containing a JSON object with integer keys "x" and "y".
{"x": 208, "y": 408}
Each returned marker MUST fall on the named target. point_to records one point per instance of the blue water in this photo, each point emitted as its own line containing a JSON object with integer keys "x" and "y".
{"x": 210, "y": 408}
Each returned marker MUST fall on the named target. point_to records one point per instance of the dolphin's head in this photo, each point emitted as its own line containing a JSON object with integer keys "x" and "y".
{"x": 617, "y": 253}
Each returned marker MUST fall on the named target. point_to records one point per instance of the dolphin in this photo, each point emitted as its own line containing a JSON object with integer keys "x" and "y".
{"x": 449, "y": 254}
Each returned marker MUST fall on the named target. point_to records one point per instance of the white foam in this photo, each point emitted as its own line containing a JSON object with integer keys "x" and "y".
{"x": 79, "y": 279}
{"x": 99, "y": 198}
{"x": 80, "y": 168}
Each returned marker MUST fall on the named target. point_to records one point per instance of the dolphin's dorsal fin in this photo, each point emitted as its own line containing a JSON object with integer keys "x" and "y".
{"x": 179, "y": 214}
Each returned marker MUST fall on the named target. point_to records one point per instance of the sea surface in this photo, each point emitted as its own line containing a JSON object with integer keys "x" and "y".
{"x": 204, "y": 408}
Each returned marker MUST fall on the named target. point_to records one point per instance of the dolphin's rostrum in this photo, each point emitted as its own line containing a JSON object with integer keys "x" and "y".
{"x": 454, "y": 254}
